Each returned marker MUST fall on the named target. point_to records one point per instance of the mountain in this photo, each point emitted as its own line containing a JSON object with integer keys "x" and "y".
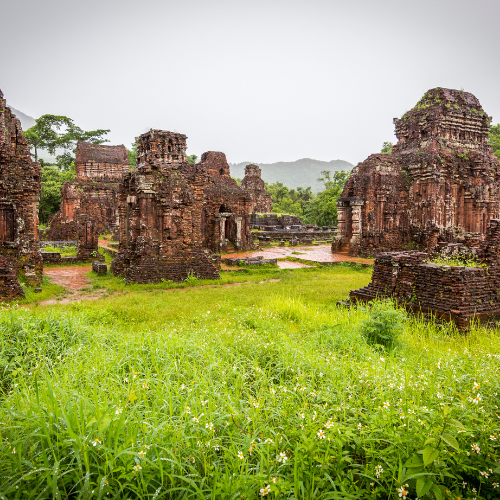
{"x": 26, "y": 121}
{"x": 303, "y": 173}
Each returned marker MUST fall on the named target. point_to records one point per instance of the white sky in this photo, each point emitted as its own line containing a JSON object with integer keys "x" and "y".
{"x": 261, "y": 80}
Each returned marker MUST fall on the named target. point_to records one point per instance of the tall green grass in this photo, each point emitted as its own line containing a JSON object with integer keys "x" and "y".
{"x": 266, "y": 389}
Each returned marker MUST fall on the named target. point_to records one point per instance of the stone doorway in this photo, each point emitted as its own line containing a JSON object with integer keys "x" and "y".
{"x": 7, "y": 223}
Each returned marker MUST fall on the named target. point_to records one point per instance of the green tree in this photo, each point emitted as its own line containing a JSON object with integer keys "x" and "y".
{"x": 57, "y": 132}
{"x": 494, "y": 139}
{"x": 387, "y": 148}
{"x": 322, "y": 209}
{"x": 45, "y": 133}
{"x": 289, "y": 201}
{"x": 52, "y": 182}
{"x": 192, "y": 159}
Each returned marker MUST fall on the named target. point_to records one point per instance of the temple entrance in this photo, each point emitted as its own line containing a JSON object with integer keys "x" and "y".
{"x": 229, "y": 229}
{"x": 7, "y": 225}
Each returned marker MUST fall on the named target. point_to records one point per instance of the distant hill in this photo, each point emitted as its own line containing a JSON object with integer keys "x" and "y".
{"x": 26, "y": 121}
{"x": 303, "y": 173}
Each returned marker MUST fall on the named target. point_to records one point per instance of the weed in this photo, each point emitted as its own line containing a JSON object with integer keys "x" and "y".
{"x": 384, "y": 325}
{"x": 191, "y": 279}
{"x": 231, "y": 392}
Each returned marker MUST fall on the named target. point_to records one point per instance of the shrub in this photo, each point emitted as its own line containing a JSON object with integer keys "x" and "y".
{"x": 192, "y": 279}
{"x": 384, "y": 324}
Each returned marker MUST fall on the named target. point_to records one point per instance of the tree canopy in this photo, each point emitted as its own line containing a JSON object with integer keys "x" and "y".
{"x": 319, "y": 209}
{"x": 494, "y": 139}
{"x": 52, "y": 182}
{"x": 59, "y": 133}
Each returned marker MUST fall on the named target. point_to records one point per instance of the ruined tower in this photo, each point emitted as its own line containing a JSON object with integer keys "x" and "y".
{"x": 253, "y": 184}
{"x": 19, "y": 197}
{"x": 98, "y": 172}
{"x": 440, "y": 184}
{"x": 173, "y": 214}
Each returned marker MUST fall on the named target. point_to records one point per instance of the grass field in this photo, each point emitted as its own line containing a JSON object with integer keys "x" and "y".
{"x": 243, "y": 391}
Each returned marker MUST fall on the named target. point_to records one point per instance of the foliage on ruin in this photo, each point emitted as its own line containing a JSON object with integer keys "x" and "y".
{"x": 387, "y": 148}
{"x": 132, "y": 154}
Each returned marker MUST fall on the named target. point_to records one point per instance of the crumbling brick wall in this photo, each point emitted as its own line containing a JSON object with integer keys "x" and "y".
{"x": 457, "y": 293}
{"x": 440, "y": 184}
{"x": 88, "y": 238}
{"x": 99, "y": 170}
{"x": 253, "y": 184}
{"x": 173, "y": 214}
{"x": 19, "y": 197}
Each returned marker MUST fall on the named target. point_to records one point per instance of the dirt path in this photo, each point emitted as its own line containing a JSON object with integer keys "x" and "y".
{"x": 288, "y": 264}
{"x": 74, "y": 279}
{"x": 321, "y": 254}
{"x": 105, "y": 244}
{"x": 71, "y": 277}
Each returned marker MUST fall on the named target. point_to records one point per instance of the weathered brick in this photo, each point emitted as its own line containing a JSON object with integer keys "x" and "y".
{"x": 253, "y": 184}
{"x": 456, "y": 293}
{"x": 99, "y": 169}
{"x": 440, "y": 184}
{"x": 19, "y": 196}
{"x": 174, "y": 214}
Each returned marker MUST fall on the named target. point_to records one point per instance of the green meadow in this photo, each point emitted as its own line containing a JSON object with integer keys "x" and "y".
{"x": 261, "y": 386}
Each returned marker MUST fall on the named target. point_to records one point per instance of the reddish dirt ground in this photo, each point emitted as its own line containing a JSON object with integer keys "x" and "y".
{"x": 71, "y": 277}
{"x": 105, "y": 244}
{"x": 287, "y": 264}
{"x": 321, "y": 254}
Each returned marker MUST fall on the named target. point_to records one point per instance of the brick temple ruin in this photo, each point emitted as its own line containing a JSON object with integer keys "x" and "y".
{"x": 99, "y": 170}
{"x": 174, "y": 214}
{"x": 19, "y": 196}
{"x": 253, "y": 184}
{"x": 288, "y": 228}
{"x": 456, "y": 293}
{"x": 440, "y": 184}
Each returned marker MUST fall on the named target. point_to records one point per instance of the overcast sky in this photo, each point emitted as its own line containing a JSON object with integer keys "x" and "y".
{"x": 261, "y": 80}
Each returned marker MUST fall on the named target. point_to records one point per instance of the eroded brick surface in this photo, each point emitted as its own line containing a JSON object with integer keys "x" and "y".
{"x": 451, "y": 292}
{"x": 19, "y": 197}
{"x": 440, "y": 184}
{"x": 173, "y": 214}
{"x": 99, "y": 170}
{"x": 253, "y": 184}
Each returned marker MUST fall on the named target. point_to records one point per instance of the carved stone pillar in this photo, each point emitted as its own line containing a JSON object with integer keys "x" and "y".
{"x": 341, "y": 224}
{"x": 222, "y": 225}
{"x": 356, "y": 222}
{"x": 237, "y": 243}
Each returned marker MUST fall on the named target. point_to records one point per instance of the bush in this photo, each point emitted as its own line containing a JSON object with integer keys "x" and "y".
{"x": 192, "y": 279}
{"x": 384, "y": 324}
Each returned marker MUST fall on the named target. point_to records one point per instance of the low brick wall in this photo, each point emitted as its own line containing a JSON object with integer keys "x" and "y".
{"x": 459, "y": 294}
{"x": 249, "y": 261}
{"x": 57, "y": 244}
{"x": 55, "y": 258}
{"x": 300, "y": 235}
{"x": 99, "y": 267}
{"x": 9, "y": 283}
{"x": 203, "y": 265}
